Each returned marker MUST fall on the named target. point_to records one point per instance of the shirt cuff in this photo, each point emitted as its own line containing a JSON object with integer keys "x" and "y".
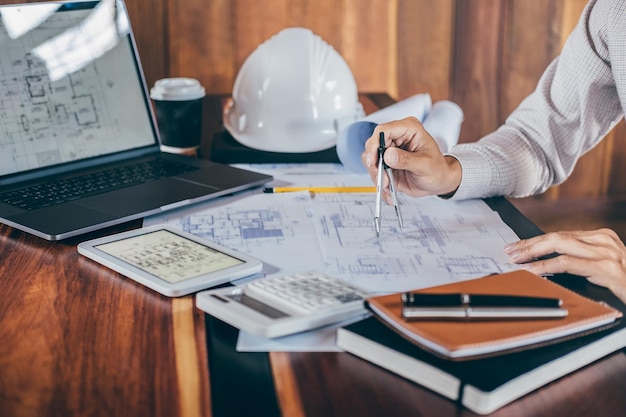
{"x": 476, "y": 170}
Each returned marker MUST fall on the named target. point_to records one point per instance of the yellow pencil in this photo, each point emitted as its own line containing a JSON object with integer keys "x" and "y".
{"x": 321, "y": 189}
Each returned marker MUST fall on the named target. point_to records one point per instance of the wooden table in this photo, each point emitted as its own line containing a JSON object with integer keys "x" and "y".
{"x": 77, "y": 339}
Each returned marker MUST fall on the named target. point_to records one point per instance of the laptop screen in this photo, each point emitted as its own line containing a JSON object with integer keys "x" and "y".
{"x": 71, "y": 87}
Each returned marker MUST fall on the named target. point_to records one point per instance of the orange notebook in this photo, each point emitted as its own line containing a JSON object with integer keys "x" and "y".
{"x": 468, "y": 339}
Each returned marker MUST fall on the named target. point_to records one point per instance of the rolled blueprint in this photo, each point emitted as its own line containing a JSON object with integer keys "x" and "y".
{"x": 351, "y": 140}
{"x": 351, "y": 143}
{"x": 418, "y": 105}
{"x": 444, "y": 124}
{"x": 441, "y": 120}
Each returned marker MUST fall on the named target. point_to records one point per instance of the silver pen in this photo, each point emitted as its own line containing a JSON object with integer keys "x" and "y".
{"x": 468, "y": 312}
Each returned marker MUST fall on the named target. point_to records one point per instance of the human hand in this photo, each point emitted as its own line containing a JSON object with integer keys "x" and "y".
{"x": 598, "y": 255}
{"x": 419, "y": 166}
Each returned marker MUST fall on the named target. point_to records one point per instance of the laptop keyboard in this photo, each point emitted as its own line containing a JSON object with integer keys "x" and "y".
{"x": 67, "y": 189}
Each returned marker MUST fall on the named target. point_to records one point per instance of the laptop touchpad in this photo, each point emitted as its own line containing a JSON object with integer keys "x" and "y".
{"x": 146, "y": 197}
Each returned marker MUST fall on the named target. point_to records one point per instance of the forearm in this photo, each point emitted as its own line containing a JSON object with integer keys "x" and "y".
{"x": 500, "y": 164}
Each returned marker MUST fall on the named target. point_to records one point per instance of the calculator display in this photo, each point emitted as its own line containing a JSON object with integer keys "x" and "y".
{"x": 169, "y": 256}
{"x": 258, "y": 306}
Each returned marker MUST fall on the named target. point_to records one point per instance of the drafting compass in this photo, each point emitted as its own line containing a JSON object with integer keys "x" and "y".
{"x": 379, "y": 186}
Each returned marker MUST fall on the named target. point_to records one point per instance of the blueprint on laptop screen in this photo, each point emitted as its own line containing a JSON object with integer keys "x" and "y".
{"x": 70, "y": 86}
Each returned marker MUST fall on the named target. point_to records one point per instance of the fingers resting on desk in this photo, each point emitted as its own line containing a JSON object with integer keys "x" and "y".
{"x": 599, "y": 255}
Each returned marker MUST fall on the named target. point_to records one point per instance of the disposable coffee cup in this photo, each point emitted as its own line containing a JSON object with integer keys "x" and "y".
{"x": 178, "y": 106}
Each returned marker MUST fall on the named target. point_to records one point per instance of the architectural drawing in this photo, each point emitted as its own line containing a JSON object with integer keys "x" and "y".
{"x": 442, "y": 241}
{"x": 279, "y": 231}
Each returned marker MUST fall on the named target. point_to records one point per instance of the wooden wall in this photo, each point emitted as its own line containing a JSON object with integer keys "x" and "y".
{"x": 486, "y": 55}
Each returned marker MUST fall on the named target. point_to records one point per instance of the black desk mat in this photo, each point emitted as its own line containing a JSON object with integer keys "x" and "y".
{"x": 226, "y": 150}
{"x": 241, "y": 382}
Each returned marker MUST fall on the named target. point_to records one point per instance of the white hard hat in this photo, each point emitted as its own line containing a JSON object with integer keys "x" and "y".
{"x": 294, "y": 93}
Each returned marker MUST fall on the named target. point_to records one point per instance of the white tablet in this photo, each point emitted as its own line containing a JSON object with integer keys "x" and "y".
{"x": 168, "y": 260}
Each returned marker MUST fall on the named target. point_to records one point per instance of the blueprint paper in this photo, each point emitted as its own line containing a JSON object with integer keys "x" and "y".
{"x": 278, "y": 229}
{"x": 310, "y": 175}
{"x": 281, "y": 170}
{"x": 319, "y": 340}
{"x": 441, "y": 242}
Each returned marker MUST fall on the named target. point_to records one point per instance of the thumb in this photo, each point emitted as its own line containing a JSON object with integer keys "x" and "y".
{"x": 397, "y": 158}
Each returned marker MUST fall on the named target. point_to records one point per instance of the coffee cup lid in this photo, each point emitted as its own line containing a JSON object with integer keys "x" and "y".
{"x": 177, "y": 89}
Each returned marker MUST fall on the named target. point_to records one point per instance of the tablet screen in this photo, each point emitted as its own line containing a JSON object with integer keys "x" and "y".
{"x": 169, "y": 256}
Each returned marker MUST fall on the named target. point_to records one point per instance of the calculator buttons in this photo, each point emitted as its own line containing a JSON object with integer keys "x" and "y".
{"x": 304, "y": 293}
{"x": 277, "y": 306}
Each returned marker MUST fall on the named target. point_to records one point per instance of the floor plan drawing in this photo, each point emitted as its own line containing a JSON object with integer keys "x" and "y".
{"x": 276, "y": 229}
{"x": 60, "y": 94}
{"x": 242, "y": 228}
{"x": 441, "y": 241}
{"x": 33, "y": 110}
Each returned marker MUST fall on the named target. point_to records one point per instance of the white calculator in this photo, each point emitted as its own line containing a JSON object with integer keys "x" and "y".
{"x": 281, "y": 305}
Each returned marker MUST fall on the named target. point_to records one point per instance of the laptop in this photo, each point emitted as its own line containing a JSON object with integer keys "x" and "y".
{"x": 79, "y": 145}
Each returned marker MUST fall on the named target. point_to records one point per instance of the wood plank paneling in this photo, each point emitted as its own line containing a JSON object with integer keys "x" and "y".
{"x": 486, "y": 55}
{"x": 201, "y": 42}
{"x": 425, "y": 48}
{"x": 211, "y": 41}
{"x": 477, "y": 65}
{"x": 149, "y": 21}
{"x": 368, "y": 31}
{"x": 526, "y": 53}
{"x": 616, "y": 165}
